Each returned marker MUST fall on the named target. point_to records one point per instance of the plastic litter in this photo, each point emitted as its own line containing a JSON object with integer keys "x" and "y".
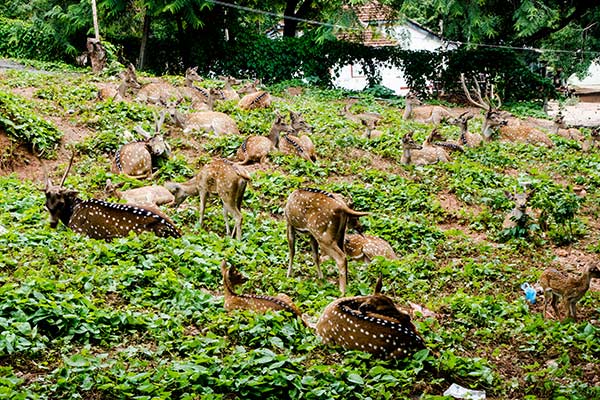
{"x": 530, "y": 292}
{"x": 459, "y": 392}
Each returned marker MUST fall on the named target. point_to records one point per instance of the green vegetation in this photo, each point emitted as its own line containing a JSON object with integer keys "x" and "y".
{"x": 142, "y": 317}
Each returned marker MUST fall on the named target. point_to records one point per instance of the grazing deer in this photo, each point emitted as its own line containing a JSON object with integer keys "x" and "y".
{"x": 136, "y": 159}
{"x": 99, "y": 219}
{"x": 467, "y": 138}
{"x": 520, "y": 214}
{"x": 366, "y": 247}
{"x": 324, "y": 217}
{"x": 417, "y": 154}
{"x": 253, "y": 302}
{"x": 370, "y": 323}
{"x": 592, "y": 142}
{"x": 221, "y": 177}
{"x": 570, "y": 289}
{"x": 515, "y": 131}
{"x": 202, "y": 121}
{"x": 153, "y": 195}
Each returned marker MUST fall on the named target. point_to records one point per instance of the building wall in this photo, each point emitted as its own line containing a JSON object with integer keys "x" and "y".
{"x": 410, "y": 37}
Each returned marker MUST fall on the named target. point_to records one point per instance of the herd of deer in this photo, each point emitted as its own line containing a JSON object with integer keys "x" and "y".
{"x": 371, "y": 323}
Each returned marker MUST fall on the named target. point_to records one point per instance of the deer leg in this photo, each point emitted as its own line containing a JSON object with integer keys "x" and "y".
{"x": 291, "y": 237}
{"x": 225, "y": 212}
{"x": 238, "y": 217}
{"x": 339, "y": 256}
{"x": 203, "y": 195}
{"x": 554, "y": 299}
{"x": 314, "y": 245}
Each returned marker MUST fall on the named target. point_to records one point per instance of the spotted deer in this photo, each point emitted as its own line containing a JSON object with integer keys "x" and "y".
{"x": 417, "y": 154}
{"x": 566, "y": 287}
{"x": 436, "y": 139}
{"x": 370, "y": 323}
{"x": 410, "y": 101}
{"x": 202, "y": 121}
{"x": 368, "y": 119}
{"x": 253, "y": 97}
{"x": 365, "y": 248}
{"x": 128, "y": 81}
{"x": 509, "y": 129}
{"x": 560, "y": 128}
{"x": 136, "y": 159}
{"x": 228, "y": 91}
{"x": 592, "y": 142}
{"x": 519, "y": 216}
{"x": 257, "y": 148}
{"x": 290, "y": 143}
{"x": 252, "y": 302}
{"x": 429, "y": 115}
{"x": 223, "y": 178}
{"x": 155, "y": 92}
{"x": 324, "y": 217}
{"x": 467, "y": 138}
{"x": 153, "y": 195}
{"x": 99, "y": 219}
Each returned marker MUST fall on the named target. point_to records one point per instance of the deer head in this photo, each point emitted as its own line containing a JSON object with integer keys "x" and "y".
{"x": 299, "y": 124}
{"x": 59, "y": 200}
{"x": 493, "y": 117}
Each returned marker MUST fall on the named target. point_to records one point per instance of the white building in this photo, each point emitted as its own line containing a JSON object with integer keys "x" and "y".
{"x": 382, "y": 30}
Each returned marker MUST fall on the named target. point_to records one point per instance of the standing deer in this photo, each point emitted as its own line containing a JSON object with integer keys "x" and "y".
{"x": 467, "y": 138}
{"x": 153, "y": 195}
{"x": 99, "y": 219}
{"x": 136, "y": 159}
{"x": 253, "y": 302}
{"x": 370, "y": 323}
{"x": 221, "y": 177}
{"x": 570, "y": 289}
{"x": 324, "y": 217}
{"x": 515, "y": 131}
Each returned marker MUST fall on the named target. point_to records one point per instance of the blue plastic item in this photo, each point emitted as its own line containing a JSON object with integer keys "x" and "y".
{"x": 529, "y": 292}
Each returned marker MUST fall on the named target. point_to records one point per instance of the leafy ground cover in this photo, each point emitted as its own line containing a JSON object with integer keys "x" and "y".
{"x": 142, "y": 317}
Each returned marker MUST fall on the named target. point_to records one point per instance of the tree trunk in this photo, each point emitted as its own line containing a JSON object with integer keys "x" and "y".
{"x": 144, "y": 42}
{"x": 290, "y": 26}
{"x": 95, "y": 18}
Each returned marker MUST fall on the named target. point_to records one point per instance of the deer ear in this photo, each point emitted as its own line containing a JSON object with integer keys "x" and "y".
{"x": 509, "y": 195}
{"x": 379, "y": 284}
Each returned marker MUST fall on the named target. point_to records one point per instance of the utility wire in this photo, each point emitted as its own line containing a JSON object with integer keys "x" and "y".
{"x": 455, "y": 42}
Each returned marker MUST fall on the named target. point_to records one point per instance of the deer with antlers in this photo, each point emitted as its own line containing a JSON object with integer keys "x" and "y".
{"x": 253, "y": 302}
{"x": 372, "y": 323}
{"x": 324, "y": 216}
{"x": 223, "y": 178}
{"x": 99, "y": 219}
{"x": 509, "y": 129}
{"x": 136, "y": 159}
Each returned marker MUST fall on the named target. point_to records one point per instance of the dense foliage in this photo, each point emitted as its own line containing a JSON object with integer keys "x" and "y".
{"x": 142, "y": 317}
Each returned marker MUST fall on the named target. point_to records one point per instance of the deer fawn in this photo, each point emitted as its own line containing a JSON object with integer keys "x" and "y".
{"x": 568, "y": 288}
{"x": 259, "y": 303}
{"x": 99, "y": 219}
{"x": 324, "y": 217}
{"x": 366, "y": 247}
{"x": 152, "y": 195}
{"x": 135, "y": 159}
{"x": 370, "y": 323}
{"x": 467, "y": 138}
{"x": 520, "y": 214}
{"x": 516, "y": 131}
{"x": 221, "y": 177}
{"x": 417, "y": 154}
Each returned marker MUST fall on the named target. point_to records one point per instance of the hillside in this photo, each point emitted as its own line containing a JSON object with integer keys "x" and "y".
{"x": 142, "y": 317}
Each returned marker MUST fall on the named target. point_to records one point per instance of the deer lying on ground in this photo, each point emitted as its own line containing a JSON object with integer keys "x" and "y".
{"x": 429, "y": 115}
{"x": 99, "y": 219}
{"x": 152, "y": 195}
{"x": 435, "y": 139}
{"x": 254, "y": 98}
{"x": 368, "y": 119}
{"x": 570, "y": 289}
{"x": 257, "y": 148}
{"x": 324, "y": 217}
{"x": 510, "y": 129}
{"x": 228, "y": 93}
{"x": 296, "y": 143}
{"x": 370, "y": 323}
{"x": 202, "y": 121}
{"x": 221, "y": 177}
{"x": 128, "y": 81}
{"x": 561, "y": 129}
{"x": 253, "y": 302}
{"x": 417, "y": 154}
{"x": 366, "y": 247}
{"x": 592, "y": 142}
{"x": 135, "y": 159}
{"x": 521, "y": 213}
{"x": 467, "y": 138}
{"x": 155, "y": 92}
